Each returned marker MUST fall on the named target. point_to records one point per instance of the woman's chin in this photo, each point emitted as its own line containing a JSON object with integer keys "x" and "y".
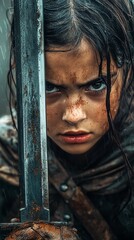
{"x": 75, "y": 149}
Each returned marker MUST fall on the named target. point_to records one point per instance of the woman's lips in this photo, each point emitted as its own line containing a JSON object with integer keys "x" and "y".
{"x": 76, "y": 137}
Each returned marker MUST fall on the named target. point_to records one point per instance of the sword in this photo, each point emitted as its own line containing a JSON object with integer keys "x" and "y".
{"x": 31, "y": 104}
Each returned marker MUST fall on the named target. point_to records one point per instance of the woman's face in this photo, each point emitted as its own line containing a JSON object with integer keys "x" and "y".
{"x": 76, "y": 98}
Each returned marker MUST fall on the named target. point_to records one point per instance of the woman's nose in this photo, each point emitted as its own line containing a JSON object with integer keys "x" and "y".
{"x": 74, "y": 114}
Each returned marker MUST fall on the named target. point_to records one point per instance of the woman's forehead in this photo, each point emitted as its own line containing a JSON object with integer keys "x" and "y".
{"x": 84, "y": 56}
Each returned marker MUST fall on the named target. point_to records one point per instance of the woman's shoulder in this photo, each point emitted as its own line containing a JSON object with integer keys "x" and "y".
{"x": 7, "y": 129}
{"x": 8, "y": 151}
{"x": 126, "y": 218}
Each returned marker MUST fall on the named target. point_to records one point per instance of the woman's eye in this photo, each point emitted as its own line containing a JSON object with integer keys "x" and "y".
{"x": 50, "y": 88}
{"x": 97, "y": 86}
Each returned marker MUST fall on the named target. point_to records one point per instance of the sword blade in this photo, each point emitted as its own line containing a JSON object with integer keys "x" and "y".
{"x": 31, "y": 103}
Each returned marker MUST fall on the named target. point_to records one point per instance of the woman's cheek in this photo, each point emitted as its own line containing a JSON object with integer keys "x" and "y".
{"x": 103, "y": 119}
{"x": 115, "y": 95}
{"x": 99, "y": 116}
{"x": 102, "y": 116}
{"x": 51, "y": 116}
{"x": 114, "y": 103}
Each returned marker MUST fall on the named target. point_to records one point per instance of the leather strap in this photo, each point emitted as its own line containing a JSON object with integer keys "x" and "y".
{"x": 82, "y": 207}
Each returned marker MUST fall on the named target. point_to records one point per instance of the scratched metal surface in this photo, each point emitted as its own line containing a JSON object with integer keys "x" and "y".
{"x": 4, "y": 53}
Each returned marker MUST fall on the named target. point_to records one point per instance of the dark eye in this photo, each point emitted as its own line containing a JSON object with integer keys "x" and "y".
{"x": 97, "y": 86}
{"x": 50, "y": 88}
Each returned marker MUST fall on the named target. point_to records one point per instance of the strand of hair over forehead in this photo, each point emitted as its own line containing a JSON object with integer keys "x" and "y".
{"x": 89, "y": 20}
{"x": 72, "y": 18}
{"x": 61, "y": 24}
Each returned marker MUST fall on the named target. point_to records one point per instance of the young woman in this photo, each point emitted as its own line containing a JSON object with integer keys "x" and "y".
{"x": 89, "y": 84}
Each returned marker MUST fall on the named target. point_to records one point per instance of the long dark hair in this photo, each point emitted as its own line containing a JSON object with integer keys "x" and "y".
{"x": 108, "y": 25}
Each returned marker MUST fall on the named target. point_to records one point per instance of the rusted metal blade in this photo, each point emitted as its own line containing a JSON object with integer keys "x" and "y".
{"x": 30, "y": 72}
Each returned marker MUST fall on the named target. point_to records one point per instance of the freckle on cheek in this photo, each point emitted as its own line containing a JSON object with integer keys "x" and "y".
{"x": 80, "y": 102}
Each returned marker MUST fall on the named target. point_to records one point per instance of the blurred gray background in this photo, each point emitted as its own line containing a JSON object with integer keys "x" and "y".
{"x": 5, "y": 9}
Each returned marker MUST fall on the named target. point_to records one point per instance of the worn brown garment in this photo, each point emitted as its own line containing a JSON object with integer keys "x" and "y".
{"x": 41, "y": 230}
{"x": 103, "y": 179}
{"x": 8, "y": 152}
{"x": 9, "y": 176}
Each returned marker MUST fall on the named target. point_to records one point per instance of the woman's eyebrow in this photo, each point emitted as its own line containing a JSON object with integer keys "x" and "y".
{"x": 78, "y": 85}
{"x": 66, "y": 85}
{"x": 55, "y": 84}
{"x": 81, "y": 84}
{"x": 91, "y": 81}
